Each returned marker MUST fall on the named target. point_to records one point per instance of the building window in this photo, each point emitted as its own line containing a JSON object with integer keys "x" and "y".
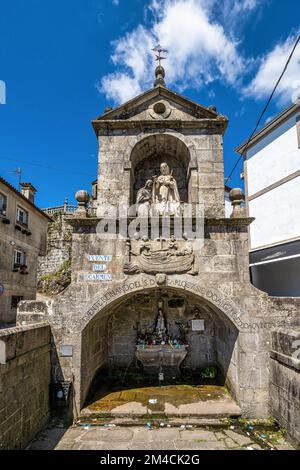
{"x": 3, "y": 204}
{"x": 15, "y": 299}
{"x": 22, "y": 216}
{"x": 19, "y": 259}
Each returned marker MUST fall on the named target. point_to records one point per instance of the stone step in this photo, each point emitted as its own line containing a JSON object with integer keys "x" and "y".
{"x": 156, "y": 421}
{"x": 209, "y": 409}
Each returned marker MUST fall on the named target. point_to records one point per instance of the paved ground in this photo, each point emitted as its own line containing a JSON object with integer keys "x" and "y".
{"x": 167, "y": 438}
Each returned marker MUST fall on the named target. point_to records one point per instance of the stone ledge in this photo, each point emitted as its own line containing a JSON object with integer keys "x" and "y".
{"x": 211, "y": 221}
{"x": 19, "y": 329}
{"x": 21, "y": 340}
{"x": 285, "y": 360}
{"x": 286, "y": 341}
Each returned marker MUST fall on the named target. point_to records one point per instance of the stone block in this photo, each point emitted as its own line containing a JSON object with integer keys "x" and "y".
{"x": 225, "y": 263}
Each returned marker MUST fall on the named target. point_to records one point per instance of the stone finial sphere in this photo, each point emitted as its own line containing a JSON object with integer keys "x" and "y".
{"x": 82, "y": 196}
{"x": 236, "y": 194}
{"x": 160, "y": 71}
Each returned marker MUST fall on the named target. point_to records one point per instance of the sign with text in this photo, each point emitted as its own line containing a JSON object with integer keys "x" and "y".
{"x": 99, "y": 267}
{"x": 96, "y": 258}
{"x": 99, "y": 277}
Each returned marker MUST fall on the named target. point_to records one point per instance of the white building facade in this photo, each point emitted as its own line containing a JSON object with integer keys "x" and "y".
{"x": 272, "y": 190}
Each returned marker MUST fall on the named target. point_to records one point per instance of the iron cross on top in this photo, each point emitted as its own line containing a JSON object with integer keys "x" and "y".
{"x": 158, "y": 50}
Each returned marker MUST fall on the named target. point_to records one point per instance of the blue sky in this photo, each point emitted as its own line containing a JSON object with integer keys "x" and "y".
{"x": 63, "y": 61}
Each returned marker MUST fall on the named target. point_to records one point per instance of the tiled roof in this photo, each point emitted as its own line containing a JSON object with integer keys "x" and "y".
{"x": 12, "y": 188}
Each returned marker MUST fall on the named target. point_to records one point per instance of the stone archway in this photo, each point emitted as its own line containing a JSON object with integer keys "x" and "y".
{"x": 105, "y": 300}
{"x": 225, "y": 315}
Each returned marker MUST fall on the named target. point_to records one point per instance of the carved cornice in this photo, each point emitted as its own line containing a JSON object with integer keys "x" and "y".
{"x": 210, "y": 222}
{"x": 109, "y": 126}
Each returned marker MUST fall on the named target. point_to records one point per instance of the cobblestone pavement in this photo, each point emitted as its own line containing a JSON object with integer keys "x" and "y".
{"x": 141, "y": 438}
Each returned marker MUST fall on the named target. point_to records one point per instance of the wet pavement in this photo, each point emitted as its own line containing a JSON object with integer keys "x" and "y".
{"x": 169, "y": 400}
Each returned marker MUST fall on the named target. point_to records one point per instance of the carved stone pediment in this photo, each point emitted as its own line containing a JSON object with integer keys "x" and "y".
{"x": 157, "y": 105}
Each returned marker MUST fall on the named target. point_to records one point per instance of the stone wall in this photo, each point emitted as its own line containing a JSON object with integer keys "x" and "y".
{"x": 24, "y": 383}
{"x": 285, "y": 380}
{"x": 54, "y": 268}
{"x": 94, "y": 353}
{"x": 58, "y": 246}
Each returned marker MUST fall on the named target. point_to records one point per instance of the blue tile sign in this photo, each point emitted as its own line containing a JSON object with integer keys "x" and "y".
{"x": 99, "y": 277}
{"x": 99, "y": 267}
{"x": 2, "y": 289}
{"x": 105, "y": 258}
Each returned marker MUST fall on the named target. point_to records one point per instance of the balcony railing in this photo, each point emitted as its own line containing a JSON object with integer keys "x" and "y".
{"x": 67, "y": 209}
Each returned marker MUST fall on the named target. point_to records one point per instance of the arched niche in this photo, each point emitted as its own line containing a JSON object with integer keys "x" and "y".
{"x": 109, "y": 339}
{"x": 147, "y": 156}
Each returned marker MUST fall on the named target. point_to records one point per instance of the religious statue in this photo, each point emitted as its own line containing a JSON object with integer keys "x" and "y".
{"x": 145, "y": 245}
{"x": 173, "y": 246}
{"x": 144, "y": 199}
{"x": 160, "y": 327}
{"x": 165, "y": 195}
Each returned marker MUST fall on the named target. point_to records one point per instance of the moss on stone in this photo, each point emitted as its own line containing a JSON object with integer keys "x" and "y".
{"x": 56, "y": 282}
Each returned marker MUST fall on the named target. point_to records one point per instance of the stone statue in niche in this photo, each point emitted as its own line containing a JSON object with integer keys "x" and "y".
{"x": 165, "y": 195}
{"x": 160, "y": 327}
{"x": 160, "y": 195}
{"x": 144, "y": 199}
{"x": 161, "y": 256}
{"x": 159, "y": 351}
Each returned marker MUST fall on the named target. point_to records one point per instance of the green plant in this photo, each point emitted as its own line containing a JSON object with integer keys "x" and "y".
{"x": 208, "y": 373}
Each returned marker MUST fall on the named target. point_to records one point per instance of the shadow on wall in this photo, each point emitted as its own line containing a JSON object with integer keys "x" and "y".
{"x": 62, "y": 391}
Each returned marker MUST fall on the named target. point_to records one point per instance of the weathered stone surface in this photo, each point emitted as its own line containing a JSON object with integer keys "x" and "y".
{"x": 24, "y": 384}
{"x": 240, "y": 439}
{"x": 285, "y": 381}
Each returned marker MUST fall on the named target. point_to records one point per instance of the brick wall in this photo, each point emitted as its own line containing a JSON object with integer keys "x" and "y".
{"x": 24, "y": 383}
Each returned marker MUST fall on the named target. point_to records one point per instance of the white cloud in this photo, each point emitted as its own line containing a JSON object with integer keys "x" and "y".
{"x": 115, "y": 2}
{"x": 234, "y": 13}
{"x": 200, "y": 50}
{"x": 119, "y": 87}
{"x": 198, "y": 47}
{"x": 270, "y": 69}
{"x": 132, "y": 54}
